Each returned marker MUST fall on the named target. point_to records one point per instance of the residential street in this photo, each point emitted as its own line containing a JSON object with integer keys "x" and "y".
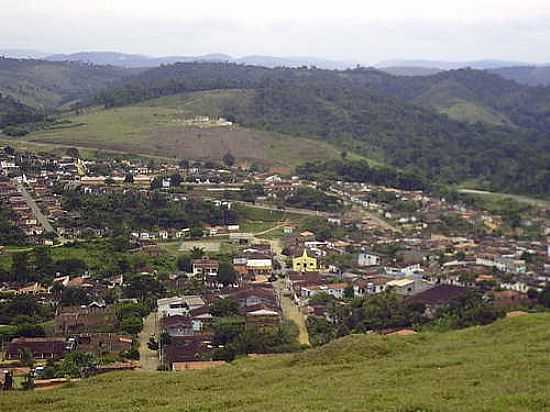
{"x": 148, "y": 359}
{"x": 292, "y": 312}
{"x": 35, "y": 209}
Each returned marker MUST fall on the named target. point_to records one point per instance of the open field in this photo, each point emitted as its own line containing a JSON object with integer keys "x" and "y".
{"x": 499, "y": 196}
{"x": 502, "y": 367}
{"x": 157, "y": 128}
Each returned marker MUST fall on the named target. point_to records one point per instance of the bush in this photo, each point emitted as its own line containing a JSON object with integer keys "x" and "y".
{"x": 15, "y": 131}
{"x": 132, "y": 353}
{"x": 132, "y": 325}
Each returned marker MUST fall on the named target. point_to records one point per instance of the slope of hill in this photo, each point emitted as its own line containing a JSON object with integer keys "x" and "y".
{"x": 160, "y": 127}
{"x": 528, "y": 75}
{"x": 13, "y": 112}
{"x": 501, "y": 367}
{"x": 523, "y": 106}
{"x": 42, "y": 84}
{"x": 352, "y": 106}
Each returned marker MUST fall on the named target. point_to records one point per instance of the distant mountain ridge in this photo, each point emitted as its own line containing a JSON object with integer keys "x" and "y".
{"x": 448, "y": 65}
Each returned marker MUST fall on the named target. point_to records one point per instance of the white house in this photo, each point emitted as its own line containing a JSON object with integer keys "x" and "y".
{"x": 368, "y": 259}
{"x": 178, "y": 305}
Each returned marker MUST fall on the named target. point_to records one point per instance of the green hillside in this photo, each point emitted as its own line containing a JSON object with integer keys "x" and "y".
{"x": 157, "y": 127}
{"x": 501, "y": 367}
{"x": 42, "y": 84}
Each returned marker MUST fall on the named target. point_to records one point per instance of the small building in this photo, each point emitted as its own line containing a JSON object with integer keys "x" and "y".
{"x": 205, "y": 267}
{"x": 367, "y": 259}
{"x": 304, "y": 263}
{"x": 178, "y": 305}
{"x": 41, "y": 348}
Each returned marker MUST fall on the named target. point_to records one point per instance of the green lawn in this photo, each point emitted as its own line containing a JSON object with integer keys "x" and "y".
{"x": 502, "y": 367}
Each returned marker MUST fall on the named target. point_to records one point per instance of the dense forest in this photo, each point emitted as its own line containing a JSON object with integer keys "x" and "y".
{"x": 179, "y": 78}
{"x": 12, "y": 112}
{"x": 409, "y": 137}
{"x": 361, "y": 171}
{"x": 135, "y": 211}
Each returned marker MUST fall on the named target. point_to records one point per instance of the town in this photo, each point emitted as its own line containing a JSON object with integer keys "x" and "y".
{"x": 115, "y": 263}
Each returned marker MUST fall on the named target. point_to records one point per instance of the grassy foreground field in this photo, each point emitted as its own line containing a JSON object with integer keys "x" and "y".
{"x": 502, "y": 367}
{"x": 158, "y": 127}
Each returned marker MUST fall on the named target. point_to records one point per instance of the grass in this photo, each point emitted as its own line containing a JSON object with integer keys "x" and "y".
{"x": 502, "y": 367}
{"x": 495, "y": 197}
{"x": 473, "y": 113}
{"x": 156, "y": 128}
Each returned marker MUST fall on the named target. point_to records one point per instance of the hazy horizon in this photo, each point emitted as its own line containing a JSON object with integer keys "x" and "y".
{"x": 349, "y": 31}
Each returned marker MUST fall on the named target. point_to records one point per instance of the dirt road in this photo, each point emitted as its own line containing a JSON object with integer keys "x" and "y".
{"x": 148, "y": 359}
{"x": 292, "y": 312}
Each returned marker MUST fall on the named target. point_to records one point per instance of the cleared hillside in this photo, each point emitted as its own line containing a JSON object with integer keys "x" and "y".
{"x": 158, "y": 127}
{"x": 501, "y": 367}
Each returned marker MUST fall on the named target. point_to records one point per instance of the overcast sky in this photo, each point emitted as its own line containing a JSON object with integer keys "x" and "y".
{"x": 361, "y": 30}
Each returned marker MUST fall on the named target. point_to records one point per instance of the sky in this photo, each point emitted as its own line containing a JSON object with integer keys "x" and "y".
{"x": 363, "y": 31}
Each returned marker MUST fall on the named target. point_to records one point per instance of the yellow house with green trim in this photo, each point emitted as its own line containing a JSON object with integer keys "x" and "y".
{"x": 304, "y": 263}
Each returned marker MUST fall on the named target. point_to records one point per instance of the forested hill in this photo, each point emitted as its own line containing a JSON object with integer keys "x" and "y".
{"x": 12, "y": 112}
{"x": 490, "y": 98}
{"x": 407, "y": 136}
{"x": 182, "y": 77}
{"x": 529, "y": 75}
{"x": 48, "y": 85}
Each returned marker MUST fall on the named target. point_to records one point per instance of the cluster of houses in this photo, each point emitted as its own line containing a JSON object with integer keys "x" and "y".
{"x": 92, "y": 328}
{"x": 414, "y": 266}
{"x": 11, "y": 197}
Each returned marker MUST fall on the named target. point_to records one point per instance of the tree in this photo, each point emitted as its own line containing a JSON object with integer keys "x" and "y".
{"x": 20, "y": 267}
{"x": 348, "y": 292}
{"x": 75, "y": 364}
{"x": 29, "y": 330}
{"x": 15, "y": 131}
{"x": 197, "y": 252}
{"x": 26, "y": 357}
{"x": 129, "y": 178}
{"x": 228, "y": 159}
{"x": 226, "y": 274}
{"x": 196, "y": 232}
{"x": 175, "y": 180}
{"x": 75, "y": 297}
{"x": 383, "y": 311}
{"x": 184, "y": 263}
{"x": 184, "y": 164}
{"x": 156, "y": 183}
{"x": 144, "y": 288}
{"x": 544, "y": 297}
{"x": 73, "y": 152}
{"x": 43, "y": 263}
{"x": 132, "y": 325}
{"x": 225, "y": 307}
